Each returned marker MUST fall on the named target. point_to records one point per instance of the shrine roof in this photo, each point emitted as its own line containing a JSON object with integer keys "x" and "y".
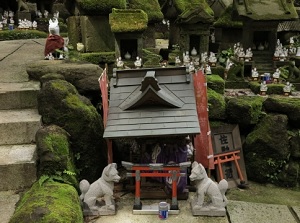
{"x": 226, "y": 19}
{"x": 266, "y": 10}
{"x": 151, "y": 102}
{"x": 188, "y": 11}
{"x": 289, "y": 26}
{"x": 128, "y": 20}
{"x": 152, "y": 8}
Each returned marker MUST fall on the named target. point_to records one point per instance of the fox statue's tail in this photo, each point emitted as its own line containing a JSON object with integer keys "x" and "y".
{"x": 84, "y": 186}
{"x": 223, "y": 186}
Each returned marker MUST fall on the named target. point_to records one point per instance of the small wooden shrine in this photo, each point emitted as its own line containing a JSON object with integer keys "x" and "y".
{"x": 156, "y": 107}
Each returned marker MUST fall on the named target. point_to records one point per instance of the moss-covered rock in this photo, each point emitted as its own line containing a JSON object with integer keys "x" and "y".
{"x": 51, "y": 76}
{"x": 290, "y": 176}
{"x": 99, "y": 7}
{"x": 55, "y": 157}
{"x": 59, "y": 103}
{"x": 295, "y": 143}
{"x": 216, "y": 105}
{"x": 48, "y": 203}
{"x": 266, "y": 149}
{"x": 121, "y": 20}
{"x": 244, "y": 110}
{"x": 216, "y": 83}
{"x": 272, "y": 88}
{"x": 284, "y": 105}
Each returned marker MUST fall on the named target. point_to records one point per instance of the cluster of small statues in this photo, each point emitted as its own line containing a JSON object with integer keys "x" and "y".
{"x": 281, "y": 52}
{"x": 26, "y": 24}
{"x": 7, "y": 19}
{"x": 239, "y": 52}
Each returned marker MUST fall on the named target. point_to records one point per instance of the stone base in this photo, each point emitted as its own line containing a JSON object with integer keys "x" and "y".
{"x": 207, "y": 210}
{"x": 263, "y": 93}
{"x": 102, "y": 210}
{"x": 23, "y": 15}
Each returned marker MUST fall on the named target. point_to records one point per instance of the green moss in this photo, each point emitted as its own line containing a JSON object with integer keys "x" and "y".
{"x": 152, "y": 8}
{"x": 226, "y": 21}
{"x": 73, "y": 101}
{"x": 272, "y": 88}
{"x": 52, "y": 202}
{"x": 216, "y": 104}
{"x": 216, "y": 83}
{"x": 128, "y": 20}
{"x": 236, "y": 73}
{"x": 245, "y": 110}
{"x": 99, "y": 7}
{"x": 21, "y": 34}
{"x": 188, "y": 5}
{"x": 98, "y": 57}
{"x": 150, "y": 58}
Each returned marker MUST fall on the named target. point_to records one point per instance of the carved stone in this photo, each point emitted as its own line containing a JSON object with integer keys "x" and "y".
{"x": 97, "y": 198}
{"x": 210, "y": 199}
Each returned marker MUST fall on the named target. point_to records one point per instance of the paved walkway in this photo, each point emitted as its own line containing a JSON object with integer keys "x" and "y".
{"x": 15, "y": 55}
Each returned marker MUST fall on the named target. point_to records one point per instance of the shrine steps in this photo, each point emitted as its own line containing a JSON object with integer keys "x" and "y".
{"x": 263, "y": 62}
{"x": 19, "y": 122}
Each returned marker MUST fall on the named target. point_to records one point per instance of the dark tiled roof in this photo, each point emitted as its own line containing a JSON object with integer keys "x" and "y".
{"x": 151, "y": 102}
{"x": 289, "y": 26}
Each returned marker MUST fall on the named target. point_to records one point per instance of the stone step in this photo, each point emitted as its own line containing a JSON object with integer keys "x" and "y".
{"x": 18, "y": 126}
{"x": 17, "y": 166}
{"x": 19, "y": 95}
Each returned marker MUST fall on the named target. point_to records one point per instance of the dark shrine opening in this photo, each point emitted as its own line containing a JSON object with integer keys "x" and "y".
{"x": 261, "y": 38}
{"x": 194, "y": 42}
{"x": 128, "y": 46}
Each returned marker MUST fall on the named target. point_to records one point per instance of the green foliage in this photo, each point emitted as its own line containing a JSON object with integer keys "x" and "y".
{"x": 224, "y": 56}
{"x": 21, "y": 34}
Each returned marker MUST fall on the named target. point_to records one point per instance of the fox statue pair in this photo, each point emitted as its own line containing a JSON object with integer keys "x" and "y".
{"x": 215, "y": 192}
{"x": 56, "y": 46}
{"x": 101, "y": 188}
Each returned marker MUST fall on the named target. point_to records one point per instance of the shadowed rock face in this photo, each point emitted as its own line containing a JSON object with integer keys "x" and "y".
{"x": 59, "y": 103}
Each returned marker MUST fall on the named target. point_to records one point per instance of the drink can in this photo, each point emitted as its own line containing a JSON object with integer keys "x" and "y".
{"x": 163, "y": 210}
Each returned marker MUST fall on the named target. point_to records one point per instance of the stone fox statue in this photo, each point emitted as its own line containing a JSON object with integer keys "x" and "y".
{"x": 205, "y": 186}
{"x": 55, "y": 42}
{"x": 22, "y": 5}
{"x": 103, "y": 187}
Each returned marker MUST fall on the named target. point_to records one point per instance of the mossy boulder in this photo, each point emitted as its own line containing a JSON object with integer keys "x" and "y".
{"x": 59, "y": 103}
{"x": 48, "y": 203}
{"x": 216, "y": 104}
{"x": 216, "y": 83}
{"x": 290, "y": 176}
{"x": 151, "y": 59}
{"x": 244, "y": 110}
{"x": 295, "y": 143}
{"x": 284, "y": 105}
{"x": 218, "y": 70}
{"x": 266, "y": 149}
{"x": 236, "y": 72}
{"x": 99, "y": 7}
{"x": 55, "y": 157}
{"x": 84, "y": 76}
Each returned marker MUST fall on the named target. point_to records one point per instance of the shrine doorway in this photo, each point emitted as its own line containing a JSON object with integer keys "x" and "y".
{"x": 129, "y": 46}
{"x": 195, "y": 42}
{"x": 262, "y": 38}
